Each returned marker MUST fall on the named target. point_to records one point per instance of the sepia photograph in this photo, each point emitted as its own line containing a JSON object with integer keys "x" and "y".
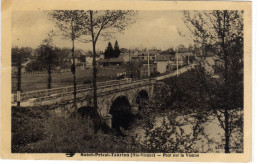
{"x": 128, "y": 82}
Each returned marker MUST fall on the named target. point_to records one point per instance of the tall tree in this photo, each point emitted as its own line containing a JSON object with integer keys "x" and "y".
{"x": 221, "y": 33}
{"x": 70, "y": 23}
{"x": 104, "y": 24}
{"x": 116, "y": 49}
{"x": 47, "y": 55}
{"x": 23, "y": 52}
{"x": 109, "y": 51}
{"x": 20, "y": 55}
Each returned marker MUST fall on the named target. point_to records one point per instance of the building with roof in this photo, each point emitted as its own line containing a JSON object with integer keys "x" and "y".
{"x": 110, "y": 62}
{"x": 184, "y": 55}
{"x": 125, "y": 56}
{"x": 164, "y": 62}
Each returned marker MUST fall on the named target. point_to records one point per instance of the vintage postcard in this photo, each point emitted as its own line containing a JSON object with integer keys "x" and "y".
{"x": 126, "y": 80}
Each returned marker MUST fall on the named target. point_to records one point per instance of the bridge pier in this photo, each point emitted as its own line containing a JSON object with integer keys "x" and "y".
{"x": 134, "y": 109}
{"x": 108, "y": 120}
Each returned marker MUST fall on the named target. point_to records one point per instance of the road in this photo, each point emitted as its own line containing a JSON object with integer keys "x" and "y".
{"x": 181, "y": 70}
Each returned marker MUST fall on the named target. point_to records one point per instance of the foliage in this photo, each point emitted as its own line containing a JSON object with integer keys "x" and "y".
{"x": 221, "y": 33}
{"x": 135, "y": 68}
{"x": 63, "y": 55}
{"x": 171, "y": 136}
{"x": 27, "y": 126}
{"x": 34, "y": 65}
{"x": 61, "y": 61}
{"x": 47, "y": 55}
{"x": 22, "y": 54}
{"x": 181, "y": 130}
{"x": 41, "y": 131}
{"x": 104, "y": 24}
{"x": 116, "y": 49}
{"x": 183, "y": 104}
{"x": 109, "y": 52}
{"x": 70, "y": 22}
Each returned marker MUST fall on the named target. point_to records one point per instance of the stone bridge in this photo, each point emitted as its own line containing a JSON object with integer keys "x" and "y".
{"x": 117, "y": 99}
{"x": 112, "y": 95}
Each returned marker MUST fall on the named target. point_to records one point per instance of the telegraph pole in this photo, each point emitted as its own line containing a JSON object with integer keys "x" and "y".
{"x": 177, "y": 62}
{"x": 19, "y": 79}
{"x": 148, "y": 64}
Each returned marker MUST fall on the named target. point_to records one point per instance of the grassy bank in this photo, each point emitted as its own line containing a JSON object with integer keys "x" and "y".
{"x": 40, "y": 131}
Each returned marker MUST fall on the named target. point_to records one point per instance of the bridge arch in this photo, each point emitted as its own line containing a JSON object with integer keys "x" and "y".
{"x": 142, "y": 98}
{"x": 121, "y": 113}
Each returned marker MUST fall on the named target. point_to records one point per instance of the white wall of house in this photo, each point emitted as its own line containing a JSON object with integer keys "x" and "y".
{"x": 125, "y": 56}
{"x": 89, "y": 60}
{"x": 161, "y": 66}
{"x": 102, "y": 56}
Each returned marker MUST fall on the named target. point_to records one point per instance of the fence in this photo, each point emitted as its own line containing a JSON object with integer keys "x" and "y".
{"x": 48, "y": 92}
{"x": 45, "y": 72}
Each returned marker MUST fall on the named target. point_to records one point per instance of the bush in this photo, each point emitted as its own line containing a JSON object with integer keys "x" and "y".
{"x": 38, "y": 131}
{"x": 27, "y": 126}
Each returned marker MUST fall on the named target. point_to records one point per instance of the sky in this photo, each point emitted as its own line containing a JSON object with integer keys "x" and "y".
{"x": 152, "y": 29}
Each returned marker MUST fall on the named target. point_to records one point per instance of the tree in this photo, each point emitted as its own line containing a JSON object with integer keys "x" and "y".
{"x": 70, "y": 23}
{"x": 34, "y": 65}
{"x": 63, "y": 55}
{"x": 221, "y": 33}
{"x": 116, "y": 50}
{"x": 104, "y": 24}
{"x": 20, "y": 55}
{"x": 135, "y": 68}
{"x": 47, "y": 55}
{"x": 109, "y": 51}
{"x": 23, "y": 52}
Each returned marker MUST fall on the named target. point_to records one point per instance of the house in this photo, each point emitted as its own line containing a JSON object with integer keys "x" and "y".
{"x": 84, "y": 60}
{"x": 134, "y": 56}
{"x": 185, "y": 55}
{"x": 89, "y": 58}
{"x": 144, "y": 56}
{"x": 110, "y": 62}
{"x": 164, "y": 62}
{"x": 161, "y": 63}
{"x": 125, "y": 56}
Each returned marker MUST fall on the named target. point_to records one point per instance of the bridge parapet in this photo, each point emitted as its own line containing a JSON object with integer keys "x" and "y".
{"x": 48, "y": 92}
{"x": 83, "y": 94}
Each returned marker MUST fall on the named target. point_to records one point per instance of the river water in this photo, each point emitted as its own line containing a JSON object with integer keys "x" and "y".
{"x": 211, "y": 141}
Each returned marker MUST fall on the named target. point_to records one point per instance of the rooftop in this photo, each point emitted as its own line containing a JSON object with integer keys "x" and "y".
{"x": 111, "y": 60}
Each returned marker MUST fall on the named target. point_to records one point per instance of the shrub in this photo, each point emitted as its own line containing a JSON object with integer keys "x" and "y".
{"x": 27, "y": 126}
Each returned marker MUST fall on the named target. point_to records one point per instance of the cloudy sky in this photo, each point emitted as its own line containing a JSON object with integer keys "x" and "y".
{"x": 159, "y": 29}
